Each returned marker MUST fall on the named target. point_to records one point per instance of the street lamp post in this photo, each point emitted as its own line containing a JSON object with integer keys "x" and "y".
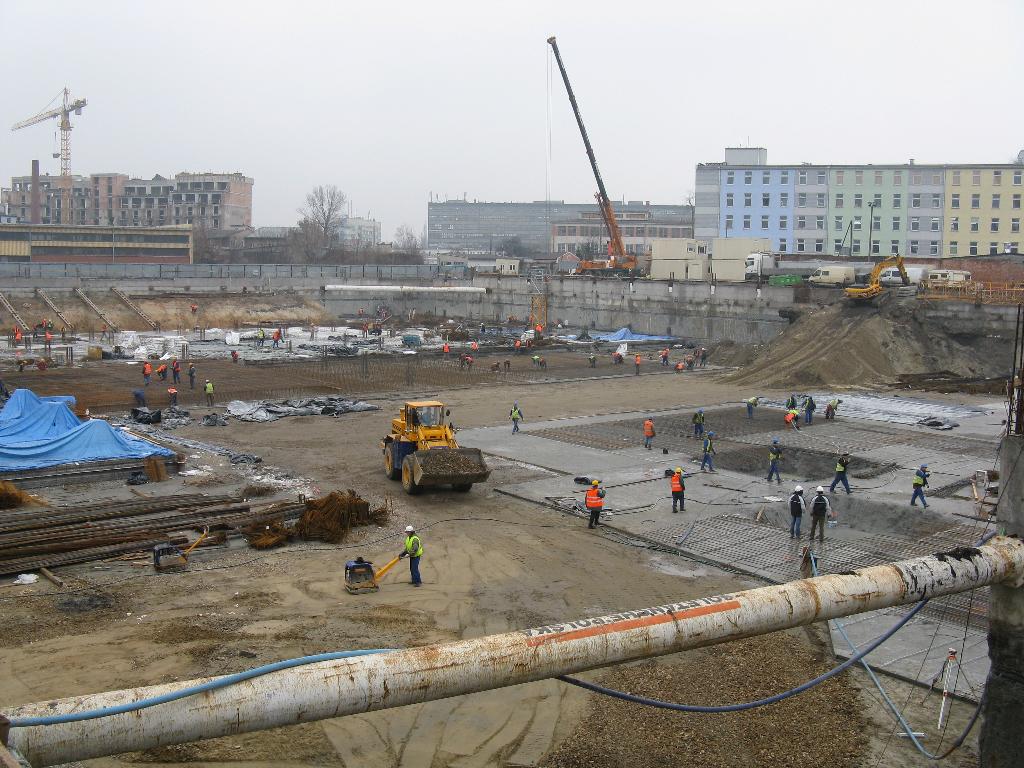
{"x": 871, "y": 225}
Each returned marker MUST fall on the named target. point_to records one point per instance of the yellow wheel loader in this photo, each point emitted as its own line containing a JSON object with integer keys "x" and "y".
{"x": 422, "y": 452}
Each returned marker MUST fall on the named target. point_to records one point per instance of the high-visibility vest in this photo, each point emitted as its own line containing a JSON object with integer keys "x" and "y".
{"x": 919, "y": 477}
{"x": 147, "y": 369}
{"x": 698, "y": 418}
{"x": 209, "y": 387}
{"x": 474, "y": 346}
{"x": 677, "y": 483}
{"x": 595, "y": 499}
{"x": 519, "y": 343}
{"x": 648, "y": 428}
{"x": 774, "y": 454}
{"x": 413, "y": 546}
{"x": 709, "y": 447}
{"x": 636, "y": 359}
{"x": 446, "y": 349}
{"x": 752, "y": 401}
{"x": 840, "y": 466}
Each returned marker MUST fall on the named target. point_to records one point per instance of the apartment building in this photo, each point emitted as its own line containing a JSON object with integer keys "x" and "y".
{"x": 862, "y": 210}
{"x": 639, "y": 229}
{"x": 215, "y": 201}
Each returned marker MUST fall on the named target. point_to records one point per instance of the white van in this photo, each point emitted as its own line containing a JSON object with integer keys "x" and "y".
{"x": 891, "y": 275}
{"x": 941, "y": 277}
{"x": 833, "y": 275}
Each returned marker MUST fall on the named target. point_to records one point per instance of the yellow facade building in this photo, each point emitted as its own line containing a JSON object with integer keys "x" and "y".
{"x": 984, "y": 209}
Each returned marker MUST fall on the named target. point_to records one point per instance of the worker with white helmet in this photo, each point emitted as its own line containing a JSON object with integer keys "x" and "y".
{"x": 797, "y": 507}
{"x": 820, "y": 509}
{"x": 414, "y": 551}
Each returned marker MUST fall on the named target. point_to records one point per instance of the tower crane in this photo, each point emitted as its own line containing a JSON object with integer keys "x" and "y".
{"x": 619, "y": 262}
{"x": 63, "y": 111}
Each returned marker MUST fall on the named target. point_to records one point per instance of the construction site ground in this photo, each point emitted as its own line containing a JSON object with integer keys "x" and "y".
{"x": 504, "y": 556}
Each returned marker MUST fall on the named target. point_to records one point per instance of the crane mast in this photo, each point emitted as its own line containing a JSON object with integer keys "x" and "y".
{"x": 618, "y": 259}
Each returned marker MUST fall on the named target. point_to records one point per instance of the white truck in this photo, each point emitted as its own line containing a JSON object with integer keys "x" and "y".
{"x": 891, "y": 276}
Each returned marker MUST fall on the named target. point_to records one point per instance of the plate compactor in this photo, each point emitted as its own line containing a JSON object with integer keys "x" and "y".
{"x": 360, "y": 576}
{"x": 169, "y": 557}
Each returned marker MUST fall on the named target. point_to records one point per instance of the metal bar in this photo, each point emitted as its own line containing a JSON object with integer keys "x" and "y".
{"x": 351, "y": 686}
{"x": 53, "y": 308}
{"x": 111, "y": 325}
{"x": 135, "y": 308}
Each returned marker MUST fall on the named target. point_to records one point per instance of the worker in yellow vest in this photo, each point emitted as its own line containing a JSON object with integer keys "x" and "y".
{"x": 208, "y": 389}
{"x": 414, "y": 551}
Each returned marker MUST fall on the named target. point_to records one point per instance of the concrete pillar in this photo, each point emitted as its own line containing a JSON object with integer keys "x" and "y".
{"x": 1000, "y": 738}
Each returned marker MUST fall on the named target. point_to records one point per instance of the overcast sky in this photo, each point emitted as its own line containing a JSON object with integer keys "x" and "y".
{"x": 395, "y": 101}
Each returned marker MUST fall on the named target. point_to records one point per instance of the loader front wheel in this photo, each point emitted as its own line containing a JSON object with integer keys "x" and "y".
{"x": 393, "y": 472}
{"x": 408, "y": 480}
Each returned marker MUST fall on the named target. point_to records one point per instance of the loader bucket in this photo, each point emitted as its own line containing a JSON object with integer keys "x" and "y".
{"x": 449, "y": 466}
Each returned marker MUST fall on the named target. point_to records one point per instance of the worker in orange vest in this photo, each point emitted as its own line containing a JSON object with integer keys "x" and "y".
{"x": 648, "y": 432}
{"x": 147, "y": 371}
{"x": 678, "y": 490}
{"x": 595, "y": 502}
{"x": 475, "y": 346}
{"x": 519, "y": 346}
{"x": 446, "y": 349}
{"x": 664, "y": 357}
{"x": 636, "y": 362}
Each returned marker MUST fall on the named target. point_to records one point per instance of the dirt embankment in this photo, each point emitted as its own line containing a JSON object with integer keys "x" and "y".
{"x": 862, "y": 345}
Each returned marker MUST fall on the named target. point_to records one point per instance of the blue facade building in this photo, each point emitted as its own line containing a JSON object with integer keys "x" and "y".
{"x": 757, "y": 202}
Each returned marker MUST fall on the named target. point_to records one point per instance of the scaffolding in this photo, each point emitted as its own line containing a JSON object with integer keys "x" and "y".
{"x": 1007, "y": 294}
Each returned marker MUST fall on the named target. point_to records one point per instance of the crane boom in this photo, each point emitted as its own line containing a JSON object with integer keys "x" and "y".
{"x": 618, "y": 259}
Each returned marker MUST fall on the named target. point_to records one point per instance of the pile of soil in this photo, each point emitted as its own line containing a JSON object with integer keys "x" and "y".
{"x": 823, "y": 726}
{"x": 846, "y": 344}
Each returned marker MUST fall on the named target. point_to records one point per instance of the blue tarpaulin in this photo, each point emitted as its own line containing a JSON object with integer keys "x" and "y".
{"x": 624, "y": 334}
{"x": 43, "y": 432}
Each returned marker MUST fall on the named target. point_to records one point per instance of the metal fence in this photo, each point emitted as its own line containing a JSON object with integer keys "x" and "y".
{"x": 1006, "y": 294}
{"x": 325, "y": 272}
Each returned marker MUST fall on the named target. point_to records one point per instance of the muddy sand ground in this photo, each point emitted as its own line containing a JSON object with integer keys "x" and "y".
{"x": 511, "y": 565}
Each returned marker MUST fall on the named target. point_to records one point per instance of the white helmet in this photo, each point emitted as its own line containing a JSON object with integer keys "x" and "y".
{"x": 798, "y": 489}
{"x": 409, "y": 529}
{"x": 819, "y": 489}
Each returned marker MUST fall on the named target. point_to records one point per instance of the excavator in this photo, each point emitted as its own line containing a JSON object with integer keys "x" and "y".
{"x": 619, "y": 262}
{"x": 874, "y": 286}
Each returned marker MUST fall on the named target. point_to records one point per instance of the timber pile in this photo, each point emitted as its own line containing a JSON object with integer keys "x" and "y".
{"x": 42, "y": 537}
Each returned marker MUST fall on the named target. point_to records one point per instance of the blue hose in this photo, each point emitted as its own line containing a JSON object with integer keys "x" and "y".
{"x": 212, "y": 685}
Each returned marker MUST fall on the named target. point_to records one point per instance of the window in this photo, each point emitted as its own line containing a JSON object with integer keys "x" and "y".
{"x": 996, "y": 200}
{"x": 764, "y": 222}
{"x": 895, "y": 223}
{"x": 783, "y": 244}
{"x": 915, "y": 247}
{"x": 1016, "y": 202}
{"x": 801, "y": 222}
{"x": 837, "y": 245}
{"x": 819, "y": 222}
{"x": 856, "y": 222}
{"x": 878, "y": 180}
{"x": 856, "y": 247}
{"x": 1017, "y": 178}
{"x": 915, "y": 200}
{"x": 858, "y": 177}
{"x": 801, "y": 199}
{"x": 975, "y": 201}
{"x": 916, "y": 179}
{"x": 897, "y": 200}
{"x": 748, "y": 177}
{"x": 747, "y": 199}
{"x": 822, "y": 200}
{"x": 801, "y": 177}
{"x": 974, "y": 224}
{"x": 936, "y": 200}
{"x": 858, "y": 200}
{"x": 746, "y": 222}
{"x": 800, "y": 247}
{"x": 728, "y": 200}
{"x": 876, "y": 223}
{"x": 973, "y": 248}
{"x": 993, "y": 226}
{"x": 935, "y": 224}
{"x": 839, "y": 177}
{"x": 954, "y": 247}
{"x": 784, "y": 199}
{"x": 783, "y": 222}
{"x": 993, "y": 249}
{"x": 933, "y": 248}
{"x": 997, "y": 178}
{"x": 819, "y": 246}
{"x": 877, "y": 200}
{"x": 766, "y": 177}
{"x": 838, "y": 223}
{"x": 956, "y": 178}
{"x": 936, "y": 178}
{"x": 728, "y": 223}
{"x": 784, "y": 178}
{"x": 1015, "y": 225}
{"x": 954, "y": 200}
{"x": 730, "y": 177}
{"x": 894, "y": 247}
{"x": 821, "y": 177}
{"x": 915, "y": 224}
{"x": 975, "y": 178}
{"x": 876, "y": 246}
{"x": 954, "y": 224}
{"x": 897, "y": 179}
{"x": 766, "y": 199}
{"x": 839, "y": 200}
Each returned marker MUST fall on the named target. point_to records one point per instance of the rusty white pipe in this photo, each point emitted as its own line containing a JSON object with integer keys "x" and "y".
{"x": 403, "y": 289}
{"x": 349, "y": 686}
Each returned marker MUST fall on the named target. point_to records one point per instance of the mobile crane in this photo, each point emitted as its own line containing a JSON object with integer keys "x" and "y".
{"x": 619, "y": 262}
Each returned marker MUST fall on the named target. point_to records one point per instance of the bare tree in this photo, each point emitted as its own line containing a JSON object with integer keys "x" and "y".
{"x": 324, "y": 210}
{"x": 408, "y": 244}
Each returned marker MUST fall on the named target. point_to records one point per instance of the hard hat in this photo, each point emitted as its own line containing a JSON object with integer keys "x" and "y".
{"x": 775, "y": 439}
{"x": 798, "y": 489}
{"x": 700, "y": 410}
{"x": 819, "y": 489}
{"x": 595, "y": 482}
{"x": 711, "y": 434}
{"x": 409, "y": 529}
{"x": 924, "y": 466}
{"x": 679, "y": 470}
